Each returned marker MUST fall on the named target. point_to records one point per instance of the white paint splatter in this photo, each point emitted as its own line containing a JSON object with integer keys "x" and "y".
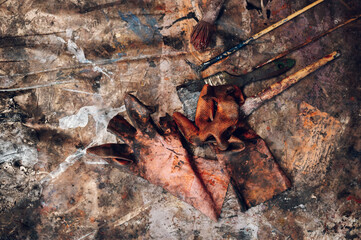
{"x": 101, "y": 162}
{"x": 61, "y": 40}
{"x": 99, "y": 69}
{"x": 77, "y": 52}
{"x": 131, "y": 215}
{"x": 69, "y": 161}
{"x": 302, "y": 206}
{"x": 78, "y": 91}
{"x": 37, "y": 86}
{"x": 101, "y": 118}
{"x": 91, "y": 234}
{"x": 11, "y": 152}
{"x": 69, "y": 32}
{"x": 179, "y": 214}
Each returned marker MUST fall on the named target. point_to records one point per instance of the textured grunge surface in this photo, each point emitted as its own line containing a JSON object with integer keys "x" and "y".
{"x": 65, "y": 66}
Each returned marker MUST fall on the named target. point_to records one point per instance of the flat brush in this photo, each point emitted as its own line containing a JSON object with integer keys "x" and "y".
{"x": 271, "y": 70}
{"x": 204, "y": 29}
{"x": 254, "y": 102}
{"x": 189, "y": 92}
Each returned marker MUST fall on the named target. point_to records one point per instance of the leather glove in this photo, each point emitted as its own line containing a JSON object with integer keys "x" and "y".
{"x": 244, "y": 156}
{"x": 253, "y": 171}
{"x": 158, "y": 156}
{"x": 217, "y": 116}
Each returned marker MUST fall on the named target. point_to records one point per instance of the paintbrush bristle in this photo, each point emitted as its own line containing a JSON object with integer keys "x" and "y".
{"x": 201, "y": 35}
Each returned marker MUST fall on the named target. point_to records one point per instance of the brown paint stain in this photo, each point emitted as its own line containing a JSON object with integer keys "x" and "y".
{"x": 284, "y": 6}
{"x": 92, "y": 219}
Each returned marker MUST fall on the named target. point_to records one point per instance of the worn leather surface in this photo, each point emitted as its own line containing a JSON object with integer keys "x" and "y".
{"x": 158, "y": 156}
{"x": 254, "y": 172}
{"x": 217, "y": 116}
{"x": 244, "y": 155}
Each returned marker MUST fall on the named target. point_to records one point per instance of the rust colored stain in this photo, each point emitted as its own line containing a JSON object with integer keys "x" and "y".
{"x": 92, "y": 219}
{"x": 309, "y": 150}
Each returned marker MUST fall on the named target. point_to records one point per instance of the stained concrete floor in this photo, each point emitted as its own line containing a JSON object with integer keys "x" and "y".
{"x": 65, "y": 66}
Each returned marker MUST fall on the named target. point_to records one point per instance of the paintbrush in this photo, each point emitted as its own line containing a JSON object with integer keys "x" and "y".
{"x": 204, "y": 29}
{"x": 254, "y": 102}
{"x": 308, "y": 41}
{"x": 189, "y": 92}
{"x": 234, "y": 49}
{"x": 271, "y": 70}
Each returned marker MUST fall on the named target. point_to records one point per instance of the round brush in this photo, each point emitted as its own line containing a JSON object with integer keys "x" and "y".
{"x": 202, "y": 32}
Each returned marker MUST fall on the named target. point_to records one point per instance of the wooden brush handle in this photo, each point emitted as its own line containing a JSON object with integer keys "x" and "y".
{"x": 213, "y": 8}
{"x": 254, "y": 102}
{"x": 234, "y": 49}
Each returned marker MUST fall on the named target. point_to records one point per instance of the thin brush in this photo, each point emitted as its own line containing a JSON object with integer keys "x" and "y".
{"x": 236, "y": 48}
{"x": 254, "y": 102}
{"x": 307, "y": 42}
{"x": 203, "y": 31}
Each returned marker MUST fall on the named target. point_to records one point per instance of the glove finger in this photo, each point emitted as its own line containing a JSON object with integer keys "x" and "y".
{"x": 187, "y": 128}
{"x": 122, "y": 129}
{"x": 139, "y": 114}
{"x": 115, "y": 154}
